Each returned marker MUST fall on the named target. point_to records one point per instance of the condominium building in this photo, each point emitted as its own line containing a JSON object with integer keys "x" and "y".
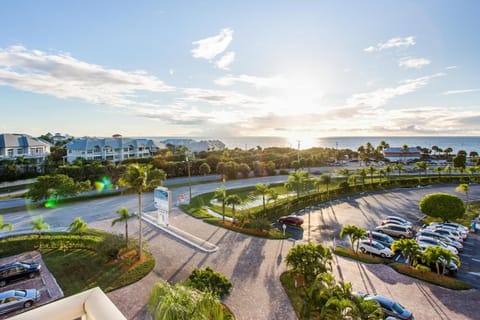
{"x": 13, "y": 146}
{"x": 114, "y": 149}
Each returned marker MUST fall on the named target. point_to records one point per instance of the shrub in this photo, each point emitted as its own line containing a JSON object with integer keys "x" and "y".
{"x": 110, "y": 245}
{"x": 207, "y": 280}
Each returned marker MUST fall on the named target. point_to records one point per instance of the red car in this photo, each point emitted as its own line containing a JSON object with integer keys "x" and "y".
{"x": 291, "y": 220}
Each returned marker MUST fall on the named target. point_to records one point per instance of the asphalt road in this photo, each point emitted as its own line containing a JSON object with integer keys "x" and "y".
{"x": 254, "y": 265}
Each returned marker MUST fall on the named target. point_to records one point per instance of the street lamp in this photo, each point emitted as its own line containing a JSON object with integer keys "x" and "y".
{"x": 189, "y": 180}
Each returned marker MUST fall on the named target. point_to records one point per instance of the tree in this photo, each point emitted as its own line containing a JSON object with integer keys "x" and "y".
{"x": 464, "y": 188}
{"x": 436, "y": 254}
{"x": 221, "y": 195}
{"x": 272, "y": 195}
{"x": 362, "y": 172}
{"x": 309, "y": 260}
{"x": 422, "y": 165}
{"x": 4, "y": 225}
{"x": 39, "y": 225}
{"x": 78, "y": 226}
{"x": 409, "y": 248}
{"x": 233, "y": 200}
{"x": 399, "y": 167}
{"x": 438, "y": 170}
{"x": 460, "y": 161}
{"x": 204, "y": 169}
{"x": 124, "y": 216}
{"x": 442, "y": 205}
{"x": 141, "y": 178}
{"x": 56, "y": 186}
{"x": 207, "y": 280}
{"x": 296, "y": 180}
{"x": 262, "y": 190}
{"x": 326, "y": 180}
{"x": 354, "y": 233}
{"x": 178, "y": 302}
{"x": 366, "y": 309}
{"x": 371, "y": 170}
{"x": 244, "y": 170}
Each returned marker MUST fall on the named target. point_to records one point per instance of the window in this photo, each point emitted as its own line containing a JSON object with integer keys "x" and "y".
{"x": 96, "y": 149}
{"x": 10, "y": 152}
{"x": 19, "y": 151}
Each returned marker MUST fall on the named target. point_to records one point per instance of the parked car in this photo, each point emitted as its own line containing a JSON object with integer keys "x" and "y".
{"x": 389, "y": 307}
{"x": 450, "y": 242}
{"x": 17, "y": 271}
{"x": 431, "y": 242}
{"x": 396, "y": 220}
{"x": 451, "y": 269}
{"x": 374, "y": 247}
{"x": 12, "y": 300}
{"x": 291, "y": 220}
{"x": 460, "y": 232}
{"x": 396, "y": 230}
{"x": 448, "y": 233}
{"x": 382, "y": 238}
{"x": 451, "y": 224}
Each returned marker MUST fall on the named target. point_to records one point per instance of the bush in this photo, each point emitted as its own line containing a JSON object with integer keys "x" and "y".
{"x": 349, "y": 253}
{"x": 110, "y": 245}
{"x": 207, "y": 280}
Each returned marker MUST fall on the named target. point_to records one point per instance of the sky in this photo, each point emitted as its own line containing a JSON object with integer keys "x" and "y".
{"x": 294, "y": 69}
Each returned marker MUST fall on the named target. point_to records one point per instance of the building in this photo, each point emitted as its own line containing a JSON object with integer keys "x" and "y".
{"x": 14, "y": 146}
{"x": 114, "y": 149}
{"x": 400, "y": 155}
{"x": 91, "y": 304}
{"x": 196, "y": 146}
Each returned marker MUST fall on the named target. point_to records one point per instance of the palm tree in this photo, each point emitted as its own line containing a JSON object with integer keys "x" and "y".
{"x": 464, "y": 188}
{"x": 354, "y": 233}
{"x": 141, "y": 178}
{"x": 124, "y": 216}
{"x": 388, "y": 169}
{"x": 438, "y": 170}
{"x": 448, "y": 169}
{"x": 309, "y": 260}
{"x": 409, "y": 248}
{"x": 404, "y": 149}
{"x": 262, "y": 189}
{"x": 39, "y": 225}
{"x": 4, "y": 225}
{"x": 221, "y": 195}
{"x": 366, "y": 309}
{"x": 78, "y": 226}
{"x": 422, "y": 165}
{"x": 362, "y": 172}
{"x": 296, "y": 179}
{"x": 399, "y": 167}
{"x": 432, "y": 255}
{"x": 447, "y": 152}
{"x": 371, "y": 170}
{"x": 273, "y": 195}
{"x": 233, "y": 200}
{"x": 167, "y": 302}
{"x": 326, "y": 180}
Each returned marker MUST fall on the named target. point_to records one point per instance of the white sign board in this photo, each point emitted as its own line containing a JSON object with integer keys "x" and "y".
{"x": 162, "y": 199}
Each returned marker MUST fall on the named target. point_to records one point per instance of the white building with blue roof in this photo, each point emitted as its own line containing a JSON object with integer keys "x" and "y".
{"x": 14, "y": 145}
{"x": 114, "y": 149}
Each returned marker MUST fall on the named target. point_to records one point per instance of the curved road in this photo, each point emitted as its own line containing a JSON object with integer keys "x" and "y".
{"x": 254, "y": 265}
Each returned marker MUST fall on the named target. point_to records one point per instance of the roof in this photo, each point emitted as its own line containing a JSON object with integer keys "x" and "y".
{"x": 15, "y": 140}
{"x": 89, "y": 143}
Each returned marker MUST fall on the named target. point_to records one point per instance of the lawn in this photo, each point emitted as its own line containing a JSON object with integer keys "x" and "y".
{"x": 81, "y": 269}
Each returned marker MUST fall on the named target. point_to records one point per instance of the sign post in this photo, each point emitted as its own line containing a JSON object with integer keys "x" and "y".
{"x": 163, "y": 202}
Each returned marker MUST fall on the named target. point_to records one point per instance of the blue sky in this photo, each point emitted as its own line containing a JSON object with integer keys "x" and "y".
{"x": 296, "y": 69}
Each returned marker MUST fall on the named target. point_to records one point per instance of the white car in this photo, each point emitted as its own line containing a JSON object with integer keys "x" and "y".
{"x": 431, "y": 242}
{"x": 375, "y": 247}
{"x": 396, "y": 220}
{"x": 455, "y": 225}
{"x": 452, "y": 234}
{"x": 461, "y": 233}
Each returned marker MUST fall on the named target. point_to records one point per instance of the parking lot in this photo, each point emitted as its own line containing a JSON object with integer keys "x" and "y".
{"x": 45, "y": 282}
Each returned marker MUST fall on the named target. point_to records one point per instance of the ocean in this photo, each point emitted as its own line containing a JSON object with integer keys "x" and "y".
{"x": 456, "y": 143}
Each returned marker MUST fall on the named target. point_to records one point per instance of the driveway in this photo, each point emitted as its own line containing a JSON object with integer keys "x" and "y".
{"x": 254, "y": 265}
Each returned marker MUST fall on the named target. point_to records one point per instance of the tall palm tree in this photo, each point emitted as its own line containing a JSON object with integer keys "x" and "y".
{"x": 432, "y": 255}
{"x": 371, "y": 170}
{"x": 404, "y": 149}
{"x": 354, "y": 233}
{"x": 39, "y": 225}
{"x": 296, "y": 180}
{"x": 447, "y": 152}
{"x": 362, "y": 172}
{"x": 326, "y": 180}
{"x": 124, "y": 216}
{"x": 272, "y": 195}
{"x": 409, "y": 248}
{"x": 221, "y": 195}
{"x": 262, "y": 190}
{"x": 464, "y": 188}
{"x": 4, "y": 225}
{"x": 141, "y": 178}
{"x": 438, "y": 170}
{"x": 399, "y": 167}
{"x": 78, "y": 226}
{"x": 233, "y": 200}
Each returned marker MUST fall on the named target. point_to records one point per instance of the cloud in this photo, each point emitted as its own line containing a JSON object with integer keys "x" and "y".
{"x": 226, "y": 60}
{"x": 209, "y": 48}
{"x": 451, "y": 67}
{"x": 392, "y": 43}
{"x": 63, "y": 76}
{"x": 259, "y": 82}
{"x": 410, "y": 62}
{"x": 460, "y": 91}
{"x": 380, "y": 97}
{"x": 218, "y": 97}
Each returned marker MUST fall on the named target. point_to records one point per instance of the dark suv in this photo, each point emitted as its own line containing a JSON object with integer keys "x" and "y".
{"x": 18, "y": 270}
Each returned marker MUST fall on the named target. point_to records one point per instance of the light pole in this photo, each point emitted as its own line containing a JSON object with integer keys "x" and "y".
{"x": 189, "y": 180}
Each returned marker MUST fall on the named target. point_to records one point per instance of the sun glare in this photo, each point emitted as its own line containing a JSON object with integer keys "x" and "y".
{"x": 302, "y": 141}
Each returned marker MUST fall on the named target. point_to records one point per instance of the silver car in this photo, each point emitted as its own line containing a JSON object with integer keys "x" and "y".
{"x": 12, "y": 300}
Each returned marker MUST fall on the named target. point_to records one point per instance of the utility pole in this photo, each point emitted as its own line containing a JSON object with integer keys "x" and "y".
{"x": 189, "y": 180}
{"x": 298, "y": 155}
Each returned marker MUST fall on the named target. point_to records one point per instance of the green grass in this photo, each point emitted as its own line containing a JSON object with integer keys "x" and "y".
{"x": 293, "y": 293}
{"x": 349, "y": 253}
{"x": 78, "y": 270}
{"x": 431, "y": 277}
